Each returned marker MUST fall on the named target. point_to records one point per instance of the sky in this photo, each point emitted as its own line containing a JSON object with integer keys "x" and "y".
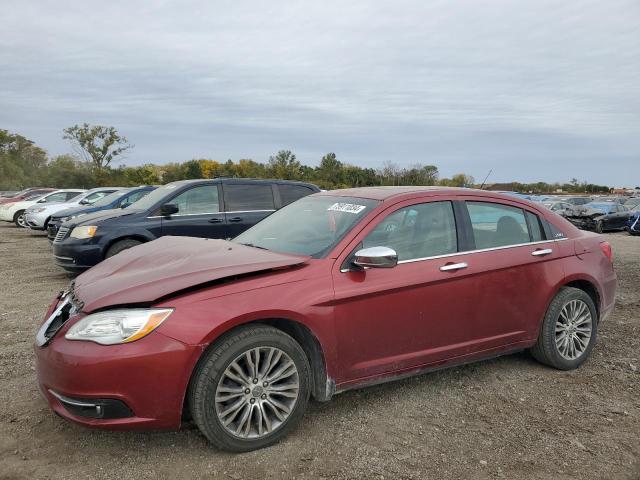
{"x": 535, "y": 90}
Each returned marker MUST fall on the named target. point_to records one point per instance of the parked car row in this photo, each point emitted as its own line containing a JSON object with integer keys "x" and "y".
{"x": 87, "y": 226}
{"x": 599, "y": 214}
{"x": 326, "y": 292}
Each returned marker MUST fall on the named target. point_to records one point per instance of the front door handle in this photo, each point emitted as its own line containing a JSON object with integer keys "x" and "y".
{"x": 449, "y": 267}
{"x": 541, "y": 252}
{"x": 235, "y": 219}
{"x": 215, "y": 220}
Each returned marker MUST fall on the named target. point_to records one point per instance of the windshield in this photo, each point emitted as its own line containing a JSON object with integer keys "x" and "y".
{"x": 153, "y": 197}
{"x": 112, "y": 197}
{"x": 310, "y": 226}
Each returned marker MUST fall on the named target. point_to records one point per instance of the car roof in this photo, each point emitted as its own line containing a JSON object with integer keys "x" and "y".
{"x": 397, "y": 193}
{"x": 240, "y": 180}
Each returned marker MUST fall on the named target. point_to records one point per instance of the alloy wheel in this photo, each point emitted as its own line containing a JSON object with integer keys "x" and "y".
{"x": 21, "y": 221}
{"x": 573, "y": 329}
{"x": 257, "y": 392}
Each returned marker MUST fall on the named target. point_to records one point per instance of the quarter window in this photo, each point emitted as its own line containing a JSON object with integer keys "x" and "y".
{"x": 197, "y": 200}
{"x": 496, "y": 225}
{"x": 239, "y": 197}
{"x": 291, "y": 193}
{"x": 418, "y": 231}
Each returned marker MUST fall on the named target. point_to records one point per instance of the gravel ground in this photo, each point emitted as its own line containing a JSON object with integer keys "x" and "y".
{"x": 505, "y": 418}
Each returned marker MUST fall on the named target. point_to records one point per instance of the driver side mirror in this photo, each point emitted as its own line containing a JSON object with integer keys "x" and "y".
{"x": 85, "y": 202}
{"x": 169, "y": 209}
{"x": 376, "y": 257}
{"x": 124, "y": 205}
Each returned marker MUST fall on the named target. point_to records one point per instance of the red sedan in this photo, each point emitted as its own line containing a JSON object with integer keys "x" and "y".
{"x": 338, "y": 290}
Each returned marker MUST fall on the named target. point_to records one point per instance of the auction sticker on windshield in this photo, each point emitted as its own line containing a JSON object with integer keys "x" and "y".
{"x": 346, "y": 207}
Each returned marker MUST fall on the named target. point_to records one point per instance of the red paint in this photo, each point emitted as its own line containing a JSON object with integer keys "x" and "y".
{"x": 372, "y": 325}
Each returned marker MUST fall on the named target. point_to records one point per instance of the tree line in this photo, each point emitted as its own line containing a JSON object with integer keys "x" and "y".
{"x": 24, "y": 164}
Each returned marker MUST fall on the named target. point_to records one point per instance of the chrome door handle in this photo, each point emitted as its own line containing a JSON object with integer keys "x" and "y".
{"x": 542, "y": 252}
{"x": 453, "y": 266}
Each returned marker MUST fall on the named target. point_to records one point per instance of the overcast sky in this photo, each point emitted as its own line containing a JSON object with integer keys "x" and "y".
{"x": 535, "y": 90}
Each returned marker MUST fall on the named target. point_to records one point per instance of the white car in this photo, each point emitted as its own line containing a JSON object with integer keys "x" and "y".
{"x": 15, "y": 211}
{"x": 37, "y": 216}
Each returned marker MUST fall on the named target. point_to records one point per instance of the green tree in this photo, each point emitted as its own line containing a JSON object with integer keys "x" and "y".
{"x": 97, "y": 144}
{"x": 284, "y": 166}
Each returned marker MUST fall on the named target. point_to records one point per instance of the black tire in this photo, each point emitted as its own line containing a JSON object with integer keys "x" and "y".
{"x": 545, "y": 350}
{"x": 120, "y": 246}
{"x": 19, "y": 219}
{"x": 599, "y": 226}
{"x": 207, "y": 375}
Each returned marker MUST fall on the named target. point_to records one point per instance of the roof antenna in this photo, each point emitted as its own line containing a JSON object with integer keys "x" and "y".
{"x": 485, "y": 179}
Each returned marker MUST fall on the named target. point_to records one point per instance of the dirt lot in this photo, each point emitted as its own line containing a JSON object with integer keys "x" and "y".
{"x": 506, "y": 418}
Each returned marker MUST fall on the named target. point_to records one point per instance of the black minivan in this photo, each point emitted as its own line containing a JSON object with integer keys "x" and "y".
{"x": 215, "y": 208}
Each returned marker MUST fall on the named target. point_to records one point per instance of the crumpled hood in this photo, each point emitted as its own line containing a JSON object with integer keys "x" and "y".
{"x": 153, "y": 270}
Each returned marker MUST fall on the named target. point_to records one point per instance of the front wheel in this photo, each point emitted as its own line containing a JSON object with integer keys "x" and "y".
{"x": 20, "y": 220}
{"x": 120, "y": 246}
{"x": 250, "y": 389}
{"x": 599, "y": 226}
{"x": 568, "y": 331}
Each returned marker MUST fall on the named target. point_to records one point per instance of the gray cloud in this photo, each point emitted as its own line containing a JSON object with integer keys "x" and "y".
{"x": 535, "y": 90}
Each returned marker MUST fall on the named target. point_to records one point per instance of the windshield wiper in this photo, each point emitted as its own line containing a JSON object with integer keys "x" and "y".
{"x": 254, "y": 246}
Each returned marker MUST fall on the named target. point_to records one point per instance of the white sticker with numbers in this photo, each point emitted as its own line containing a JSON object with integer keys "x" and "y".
{"x": 346, "y": 207}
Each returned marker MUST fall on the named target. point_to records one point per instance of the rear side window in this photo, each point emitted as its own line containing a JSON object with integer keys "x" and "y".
{"x": 247, "y": 197}
{"x": 197, "y": 200}
{"x": 71, "y": 195}
{"x": 418, "y": 231}
{"x": 291, "y": 193}
{"x": 497, "y": 225}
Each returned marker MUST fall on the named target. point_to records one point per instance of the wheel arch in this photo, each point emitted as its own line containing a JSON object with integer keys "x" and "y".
{"x": 133, "y": 236}
{"x": 322, "y": 386}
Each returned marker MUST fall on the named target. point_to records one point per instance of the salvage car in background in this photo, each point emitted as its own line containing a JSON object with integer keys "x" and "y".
{"x": 119, "y": 199}
{"x": 37, "y": 216}
{"x": 16, "y": 211}
{"x": 217, "y": 208}
{"x": 614, "y": 221}
{"x": 338, "y": 290}
{"x": 587, "y": 216}
{"x": 633, "y": 224}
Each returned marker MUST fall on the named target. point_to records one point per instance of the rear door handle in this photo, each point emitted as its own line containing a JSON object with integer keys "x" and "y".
{"x": 453, "y": 266}
{"x": 215, "y": 220}
{"x": 235, "y": 219}
{"x": 541, "y": 252}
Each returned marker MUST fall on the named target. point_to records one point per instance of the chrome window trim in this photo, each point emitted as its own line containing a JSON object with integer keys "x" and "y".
{"x": 214, "y": 213}
{"x": 468, "y": 252}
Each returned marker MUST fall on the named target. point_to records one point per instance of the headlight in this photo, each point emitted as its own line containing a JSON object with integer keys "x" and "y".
{"x": 118, "y": 326}
{"x": 36, "y": 210}
{"x": 84, "y": 232}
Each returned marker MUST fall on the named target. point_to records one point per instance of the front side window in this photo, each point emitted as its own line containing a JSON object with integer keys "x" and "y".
{"x": 239, "y": 198}
{"x": 311, "y": 226}
{"x": 197, "y": 200}
{"x": 497, "y": 225}
{"x": 56, "y": 197}
{"x": 94, "y": 197}
{"x": 418, "y": 231}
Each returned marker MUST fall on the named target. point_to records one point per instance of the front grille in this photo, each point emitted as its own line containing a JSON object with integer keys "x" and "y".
{"x": 61, "y": 235}
{"x": 52, "y": 230}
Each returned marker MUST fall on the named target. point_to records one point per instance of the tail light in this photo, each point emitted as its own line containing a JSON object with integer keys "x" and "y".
{"x": 606, "y": 249}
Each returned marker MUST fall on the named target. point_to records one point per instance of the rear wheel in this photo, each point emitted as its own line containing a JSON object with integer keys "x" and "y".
{"x": 568, "y": 332}
{"x": 120, "y": 246}
{"x": 251, "y": 389}
{"x": 19, "y": 219}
